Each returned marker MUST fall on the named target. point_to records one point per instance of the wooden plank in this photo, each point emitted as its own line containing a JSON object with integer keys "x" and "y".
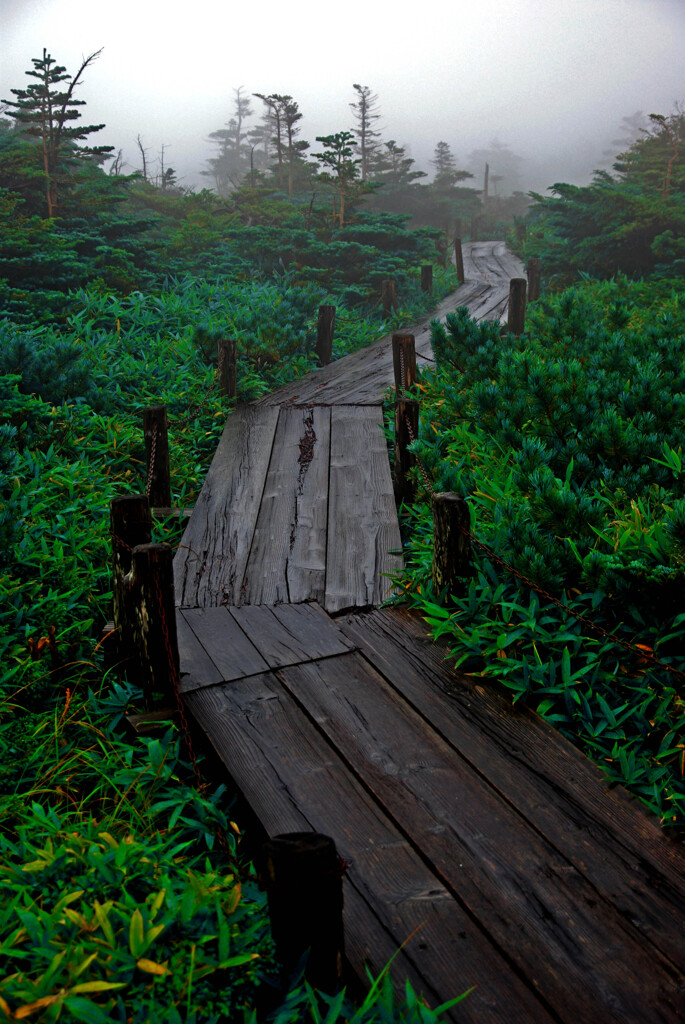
{"x": 517, "y": 885}
{"x": 225, "y": 643}
{"x": 210, "y": 562}
{"x": 363, "y": 376}
{"x": 196, "y": 667}
{"x": 608, "y": 836}
{"x": 289, "y": 634}
{"x": 287, "y": 560}
{"x": 288, "y": 774}
{"x": 362, "y": 520}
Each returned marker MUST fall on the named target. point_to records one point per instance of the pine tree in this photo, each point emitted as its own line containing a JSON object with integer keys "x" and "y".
{"x": 232, "y": 163}
{"x": 366, "y": 114}
{"x": 45, "y": 111}
{"x": 341, "y": 169}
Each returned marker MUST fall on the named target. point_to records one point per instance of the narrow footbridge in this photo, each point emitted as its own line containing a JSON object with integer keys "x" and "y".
{"x": 476, "y": 837}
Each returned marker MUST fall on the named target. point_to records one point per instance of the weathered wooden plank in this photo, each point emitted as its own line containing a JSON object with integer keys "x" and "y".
{"x": 362, "y": 520}
{"x": 605, "y": 834}
{"x": 225, "y": 643}
{"x": 288, "y": 634}
{"x": 288, "y": 773}
{"x": 521, "y": 889}
{"x": 315, "y": 631}
{"x": 196, "y": 667}
{"x": 287, "y": 560}
{"x": 210, "y": 562}
{"x": 362, "y": 377}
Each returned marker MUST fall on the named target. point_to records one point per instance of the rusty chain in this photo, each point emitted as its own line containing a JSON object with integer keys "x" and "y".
{"x": 153, "y": 456}
{"x": 643, "y": 653}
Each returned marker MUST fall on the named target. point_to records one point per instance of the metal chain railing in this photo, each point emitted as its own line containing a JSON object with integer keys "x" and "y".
{"x": 645, "y": 653}
{"x": 153, "y": 456}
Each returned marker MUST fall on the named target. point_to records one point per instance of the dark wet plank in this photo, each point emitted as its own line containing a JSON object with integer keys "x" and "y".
{"x": 288, "y": 634}
{"x": 196, "y": 667}
{"x": 223, "y": 642}
{"x": 606, "y": 835}
{"x": 362, "y": 521}
{"x": 210, "y": 562}
{"x": 290, "y": 775}
{"x": 287, "y": 560}
{"x": 523, "y": 891}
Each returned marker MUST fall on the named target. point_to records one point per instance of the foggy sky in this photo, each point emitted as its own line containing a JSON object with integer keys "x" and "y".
{"x": 551, "y": 79}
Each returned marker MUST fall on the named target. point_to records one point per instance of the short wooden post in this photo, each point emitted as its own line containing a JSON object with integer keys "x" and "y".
{"x": 533, "y": 278}
{"x": 388, "y": 298}
{"x": 228, "y": 375}
{"x": 517, "y": 305}
{"x": 324, "y": 334}
{"x": 459, "y": 258}
{"x": 451, "y": 547}
{"x": 406, "y": 429}
{"x": 155, "y": 428}
{"x": 520, "y": 230}
{"x": 474, "y": 229}
{"x": 404, "y": 355}
{"x": 130, "y": 525}
{"x": 155, "y": 661}
{"x": 303, "y": 878}
{"x": 427, "y": 277}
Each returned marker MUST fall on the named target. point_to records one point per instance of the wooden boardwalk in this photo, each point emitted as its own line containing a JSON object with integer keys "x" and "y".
{"x": 471, "y": 828}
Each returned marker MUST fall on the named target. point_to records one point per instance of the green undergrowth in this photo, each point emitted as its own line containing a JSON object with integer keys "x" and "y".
{"x": 567, "y": 443}
{"x": 118, "y": 903}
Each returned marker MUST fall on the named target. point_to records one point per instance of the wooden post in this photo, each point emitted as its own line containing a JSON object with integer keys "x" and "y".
{"x": 406, "y": 428}
{"x": 427, "y": 277}
{"x": 324, "y": 334}
{"x": 404, "y": 343}
{"x": 228, "y": 376}
{"x": 459, "y": 258}
{"x": 474, "y": 229}
{"x": 533, "y": 278}
{"x": 155, "y": 645}
{"x": 157, "y": 453}
{"x": 520, "y": 230}
{"x": 130, "y": 525}
{"x": 303, "y": 877}
{"x": 388, "y": 298}
{"x": 451, "y": 548}
{"x": 517, "y": 305}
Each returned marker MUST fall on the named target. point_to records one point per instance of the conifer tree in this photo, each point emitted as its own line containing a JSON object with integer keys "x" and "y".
{"x": 46, "y": 111}
{"x": 232, "y": 163}
{"x": 366, "y": 114}
{"x": 341, "y": 169}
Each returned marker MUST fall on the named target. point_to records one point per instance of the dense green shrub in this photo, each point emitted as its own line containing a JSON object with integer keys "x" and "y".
{"x": 567, "y": 442}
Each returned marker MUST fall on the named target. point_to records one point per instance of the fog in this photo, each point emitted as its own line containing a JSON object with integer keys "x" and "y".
{"x": 550, "y": 79}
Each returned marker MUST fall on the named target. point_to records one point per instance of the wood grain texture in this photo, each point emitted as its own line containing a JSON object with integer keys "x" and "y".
{"x": 290, "y": 634}
{"x": 362, "y": 521}
{"x": 210, "y": 562}
{"x": 196, "y": 667}
{"x": 607, "y": 836}
{"x": 523, "y": 891}
{"x": 294, "y": 780}
{"x": 287, "y": 560}
{"x": 224, "y": 643}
